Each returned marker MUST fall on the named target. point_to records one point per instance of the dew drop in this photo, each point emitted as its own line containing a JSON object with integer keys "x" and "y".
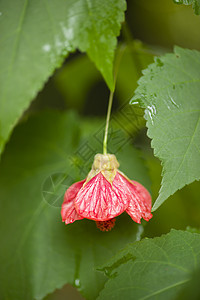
{"x": 77, "y": 282}
{"x": 154, "y": 109}
{"x": 151, "y": 110}
{"x": 150, "y": 115}
{"x": 178, "y": 1}
{"x": 77, "y": 271}
{"x": 173, "y": 102}
{"x": 46, "y": 48}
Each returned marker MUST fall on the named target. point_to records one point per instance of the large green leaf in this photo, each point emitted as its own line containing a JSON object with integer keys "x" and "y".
{"x": 180, "y": 211}
{"x": 153, "y": 268}
{"x": 35, "y": 38}
{"x": 38, "y": 252}
{"x": 169, "y": 90}
{"x": 192, "y": 288}
{"x": 195, "y": 4}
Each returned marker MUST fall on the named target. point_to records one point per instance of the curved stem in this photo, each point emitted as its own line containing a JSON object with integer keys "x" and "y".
{"x": 107, "y": 122}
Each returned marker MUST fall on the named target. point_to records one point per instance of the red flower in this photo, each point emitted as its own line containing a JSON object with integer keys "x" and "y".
{"x": 105, "y": 194}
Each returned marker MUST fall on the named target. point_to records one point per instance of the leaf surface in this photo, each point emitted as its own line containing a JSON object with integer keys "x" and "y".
{"x": 37, "y": 35}
{"x": 153, "y": 268}
{"x": 38, "y": 252}
{"x": 169, "y": 90}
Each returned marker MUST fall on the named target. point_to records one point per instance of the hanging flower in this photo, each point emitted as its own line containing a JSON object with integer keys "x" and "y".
{"x": 105, "y": 194}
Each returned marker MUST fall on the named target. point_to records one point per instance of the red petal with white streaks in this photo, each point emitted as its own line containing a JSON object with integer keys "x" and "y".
{"x": 99, "y": 200}
{"x": 139, "y": 199}
{"x": 143, "y": 193}
{"x": 68, "y": 211}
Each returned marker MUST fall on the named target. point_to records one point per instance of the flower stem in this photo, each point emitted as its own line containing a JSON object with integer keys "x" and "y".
{"x": 107, "y": 122}
{"x": 118, "y": 57}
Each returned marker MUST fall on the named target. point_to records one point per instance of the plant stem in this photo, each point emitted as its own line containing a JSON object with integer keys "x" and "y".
{"x": 118, "y": 57}
{"x": 107, "y": 122}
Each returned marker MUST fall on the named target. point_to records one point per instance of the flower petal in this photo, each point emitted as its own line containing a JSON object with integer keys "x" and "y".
{"x": 99, "y": 201}
{"x": 139, "y": 199}
{"x": 68, "y": 211}
{"x": 142, "y": 191}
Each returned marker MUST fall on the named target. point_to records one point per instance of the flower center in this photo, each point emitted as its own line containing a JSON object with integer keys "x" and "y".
{"x": 106, "y": 225}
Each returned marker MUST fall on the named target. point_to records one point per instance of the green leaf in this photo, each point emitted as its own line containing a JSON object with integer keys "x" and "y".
{"x": 180, "y": 211}
{"x": 195, "y": 4}
{"x": 192, "y": 288}
{"x": 38, "y": 252}
{"x": 153, "y": 268}
{"x": 169, "y": 90}
{"x": 35, "y": 38}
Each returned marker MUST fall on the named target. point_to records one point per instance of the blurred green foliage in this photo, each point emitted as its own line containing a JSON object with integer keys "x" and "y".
{"x": 79, "y": 85}
{"x": 152, "y": 28}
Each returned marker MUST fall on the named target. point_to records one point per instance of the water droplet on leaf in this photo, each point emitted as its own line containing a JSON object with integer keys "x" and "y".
{"x": 77, "y": 282}
{"x": 173, "y": 102}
